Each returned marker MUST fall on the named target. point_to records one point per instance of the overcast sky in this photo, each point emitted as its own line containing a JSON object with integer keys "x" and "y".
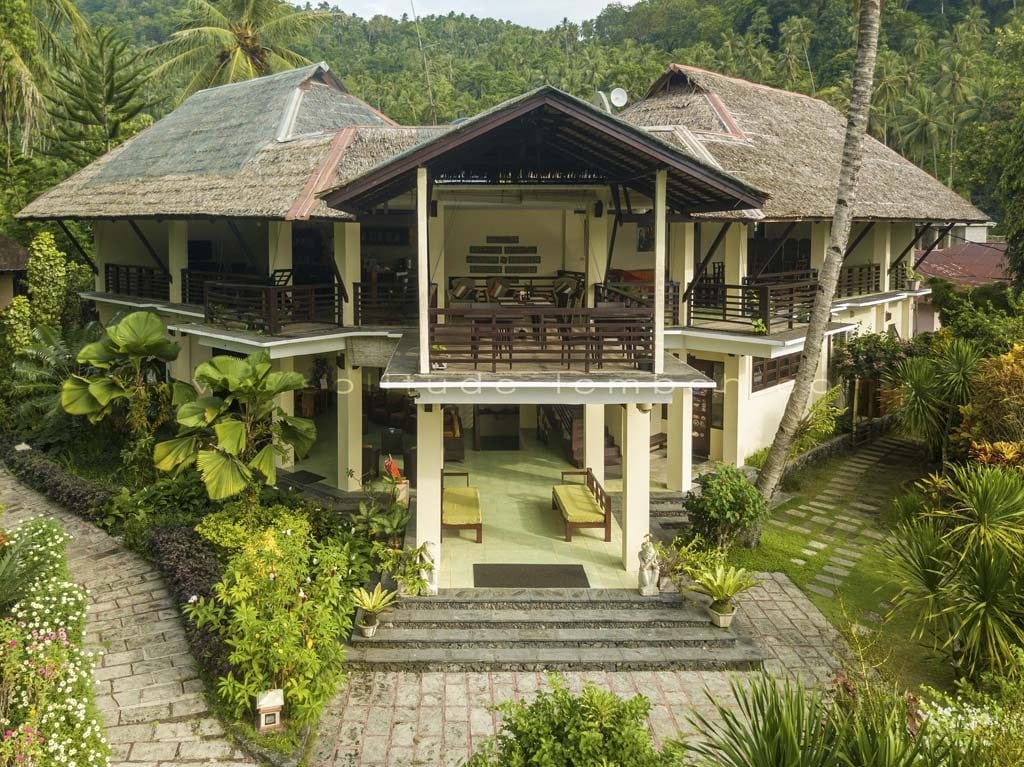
{"x": 533, "y": 13}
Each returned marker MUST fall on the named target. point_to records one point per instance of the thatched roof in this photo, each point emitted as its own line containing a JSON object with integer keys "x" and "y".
{"x": 790, "y": 145}
{"x": 13, "y": 255}
{"x": 243, "y": 150}
{"x": 550, "y": 136}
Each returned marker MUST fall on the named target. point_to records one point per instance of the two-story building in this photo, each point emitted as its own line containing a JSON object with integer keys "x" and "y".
{"x": 542, "y": 286}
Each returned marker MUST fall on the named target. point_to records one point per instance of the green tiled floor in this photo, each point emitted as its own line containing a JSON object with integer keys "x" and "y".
{"x": 520, "y": 526}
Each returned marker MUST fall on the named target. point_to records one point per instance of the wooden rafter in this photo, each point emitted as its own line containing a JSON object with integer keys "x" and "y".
{"x": 706, "y": 260}
{"x": 149, "y": 249}
{"x": 78, "y": 246}
{"x": 910, "y": 246}
{"x": 778, "y": 248}
{"x": 858, "y": 239}
{"x": 928, "y": 251}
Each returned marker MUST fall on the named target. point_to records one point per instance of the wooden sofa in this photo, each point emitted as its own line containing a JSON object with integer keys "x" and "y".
{"x": 460, "y": 506}
{"x": 583, "y": 504}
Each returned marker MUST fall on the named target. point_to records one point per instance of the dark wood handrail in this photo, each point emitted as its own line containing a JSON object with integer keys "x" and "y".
{"x": 134, "y": 280}
{"x": 640, "y": 294}
{"x": 762, "y": 309}
{"x": 272, "y": 307}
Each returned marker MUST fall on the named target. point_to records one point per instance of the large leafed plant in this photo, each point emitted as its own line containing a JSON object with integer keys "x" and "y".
{"x": 235, "y": 430}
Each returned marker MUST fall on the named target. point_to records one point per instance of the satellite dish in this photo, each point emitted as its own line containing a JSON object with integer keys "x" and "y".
{"x": 600, "y": 101}
{"x": 619, "y": 97}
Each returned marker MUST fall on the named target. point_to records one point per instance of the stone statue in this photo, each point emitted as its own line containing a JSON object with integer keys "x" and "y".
{"x": 648, "y": 576}
{"x": 430, "y": 571}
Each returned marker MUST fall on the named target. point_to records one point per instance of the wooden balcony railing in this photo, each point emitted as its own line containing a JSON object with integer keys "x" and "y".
{"x": 859, "y": 280}
{"x": 271, "y": 307}
{"x": 387, "y": 304}
{"x": 193, "y": 283}
{"x": 771, "y": 278}
{"x": 531, "y": 337}
{"x": 760, "y": 309}
{"x": 137, "y": 281}
{"x": 634, "y": 295}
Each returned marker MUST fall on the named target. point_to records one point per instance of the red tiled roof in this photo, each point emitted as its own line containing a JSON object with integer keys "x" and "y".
{"x": 968, "y": 264}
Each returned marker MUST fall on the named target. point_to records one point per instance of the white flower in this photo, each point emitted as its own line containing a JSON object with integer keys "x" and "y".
{"x": 193, "y": 599}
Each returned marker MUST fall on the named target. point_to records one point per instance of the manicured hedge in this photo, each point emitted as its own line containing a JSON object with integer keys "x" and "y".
{"x": 79, "y": 496}
{"x": 191, "y": 569}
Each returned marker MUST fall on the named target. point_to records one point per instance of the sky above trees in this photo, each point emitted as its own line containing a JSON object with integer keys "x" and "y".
{"x": 541, "y": 14}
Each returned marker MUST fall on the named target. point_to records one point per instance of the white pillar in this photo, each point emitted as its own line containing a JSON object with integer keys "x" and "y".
{"x": 660, "y": 242}
{"x": 423, "y": 268}
{"x": 680, "y": 441}
{"x": 819, "y": 243}
{"x": 435, "y": 243}
{"x": 680, "y": 259}
{"x": 636, "y": 482}
{"x": 737, "y": 404}
{"x": 177, "y": 256}
{"x": 883, "y": 251}
{"x": 279, "y": 245}
{"x": 429, "y": 462}
{"x": 735, "y": 247}
{"x": 593, "y": 440}
{"x": 346, "y": 256}
{"x": 350, "y": 425}
{"x": 597, "y": 249}
{"x": 286, "y": 401}
{"x": 99, "y": 228}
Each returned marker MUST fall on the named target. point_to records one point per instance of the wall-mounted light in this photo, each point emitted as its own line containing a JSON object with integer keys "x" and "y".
{"x": 598, "y": 209}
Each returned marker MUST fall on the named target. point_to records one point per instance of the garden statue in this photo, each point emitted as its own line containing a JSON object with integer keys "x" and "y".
{"x": 648, "y": 576}
{"x": 430, "y": 568}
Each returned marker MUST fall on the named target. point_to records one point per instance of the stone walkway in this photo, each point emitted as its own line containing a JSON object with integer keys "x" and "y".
{"x": 147, "y": 686}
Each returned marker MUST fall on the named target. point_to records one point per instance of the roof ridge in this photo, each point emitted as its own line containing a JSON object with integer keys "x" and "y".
{"x": 687, "y": 68}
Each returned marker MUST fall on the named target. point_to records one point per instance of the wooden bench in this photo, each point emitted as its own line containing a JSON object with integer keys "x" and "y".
{"x": 460, "y": 506}
{"x": 583, "y": 504}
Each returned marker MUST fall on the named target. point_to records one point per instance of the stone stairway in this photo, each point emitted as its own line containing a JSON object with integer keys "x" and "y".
{"x": 539, "y": 629}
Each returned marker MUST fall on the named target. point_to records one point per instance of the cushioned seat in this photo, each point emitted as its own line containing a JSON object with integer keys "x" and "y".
{"x": 460, "y": 506}
{"x": 578, "y": 504}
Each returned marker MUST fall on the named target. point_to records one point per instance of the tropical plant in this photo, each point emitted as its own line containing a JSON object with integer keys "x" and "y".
{"x": 39, "y": 371}
{"x": 721, "y": 583}
{"x": 283, "y": 605}
{"x": 100, "y": 98}
{"x": 995, "y": 412}
{"x": 373, "y": 603}
{"x": 818, "y": 424}
{"x": 237, "y": 432}
{"x": 406, "y": 566}
{"x": 842, "y": 219}
{"x": 129, "y": 380}
{"x": 234, "y": 40}
{"x": 597, "y": 727}
{"x": 727, "y": 506}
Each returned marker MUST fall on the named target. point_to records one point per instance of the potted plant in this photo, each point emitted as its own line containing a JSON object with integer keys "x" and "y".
{"x": 408, "y": 568}
{"x": 721, "y": 583}
{"x": 372, "y": 603}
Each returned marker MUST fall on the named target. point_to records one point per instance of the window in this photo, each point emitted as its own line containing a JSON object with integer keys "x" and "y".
{"x": 768, "y": 373}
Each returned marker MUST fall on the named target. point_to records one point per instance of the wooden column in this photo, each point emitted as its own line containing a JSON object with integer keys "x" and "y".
{"x": 636, "y": 482}
{"x": 423, "y": 267}
{"x": 660, "y": 247}
{"x": 680, "y": 259}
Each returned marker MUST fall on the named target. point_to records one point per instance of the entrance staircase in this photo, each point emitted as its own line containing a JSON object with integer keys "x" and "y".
{"x": 541, "y": 629}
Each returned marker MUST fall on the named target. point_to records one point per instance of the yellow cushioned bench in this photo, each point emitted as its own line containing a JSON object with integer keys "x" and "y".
{"x": 460, "y": 506}
{"x": 583, "y": 504}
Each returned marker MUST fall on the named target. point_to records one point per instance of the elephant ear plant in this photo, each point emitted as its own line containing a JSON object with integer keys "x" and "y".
{"x": 236, "y": 431}
{"x": 126, "y": 375}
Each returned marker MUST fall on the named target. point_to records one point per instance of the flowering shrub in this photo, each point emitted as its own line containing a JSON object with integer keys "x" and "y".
{"x": 870, "y": 356}
{"x": 47, "y": 717}
{"x": 283, "y": 606}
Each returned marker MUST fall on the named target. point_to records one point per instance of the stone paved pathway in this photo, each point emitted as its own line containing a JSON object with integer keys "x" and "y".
{"x": 147, "y": 686}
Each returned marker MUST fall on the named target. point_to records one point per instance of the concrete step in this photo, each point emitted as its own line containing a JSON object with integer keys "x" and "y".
{"x": 745, "y": 655}
{"x": 404, "y": 635}
{"x": 475, "y": 618}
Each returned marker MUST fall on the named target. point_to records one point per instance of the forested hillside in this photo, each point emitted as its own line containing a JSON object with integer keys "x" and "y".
{"x": 950, "y": 76}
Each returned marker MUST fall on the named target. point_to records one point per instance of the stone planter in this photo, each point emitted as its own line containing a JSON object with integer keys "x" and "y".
{"x": 722, "y": 620}
{"x": 368, "y": 629}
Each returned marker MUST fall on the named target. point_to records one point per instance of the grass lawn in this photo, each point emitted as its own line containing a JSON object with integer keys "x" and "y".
{"x": 860, "y": 596}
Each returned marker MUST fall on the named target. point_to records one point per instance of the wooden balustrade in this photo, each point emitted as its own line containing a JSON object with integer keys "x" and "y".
{"x": 271, "y": 307}
{"x": 385, "y": 304}
{"x": 542, "y": 337}
{"x": 762, "y": 309}
{"x": 639, "y": 295}
{"x": 859, "y": 280}
{"x": 137, "y": 281}
{"x": 193, "y": 283}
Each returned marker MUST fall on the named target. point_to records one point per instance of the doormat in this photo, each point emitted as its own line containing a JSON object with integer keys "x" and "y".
{"x": 530, "y": 577}
{"x": 305, "y": 477}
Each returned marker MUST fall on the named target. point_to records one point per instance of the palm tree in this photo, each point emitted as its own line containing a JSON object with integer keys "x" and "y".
{"x": 842, "y": 219}
{"x": 32, "y": 36}
{"x": 924, "y": 119}
{"x": 227, "y": 41}
{"x": 796, "y": 34}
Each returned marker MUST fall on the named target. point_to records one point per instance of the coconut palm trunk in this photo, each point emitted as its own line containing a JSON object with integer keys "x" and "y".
{"x": 842, "y": 219}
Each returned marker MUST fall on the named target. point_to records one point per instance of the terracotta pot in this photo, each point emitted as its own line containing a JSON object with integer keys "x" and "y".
{"x": 722, "y": 620}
